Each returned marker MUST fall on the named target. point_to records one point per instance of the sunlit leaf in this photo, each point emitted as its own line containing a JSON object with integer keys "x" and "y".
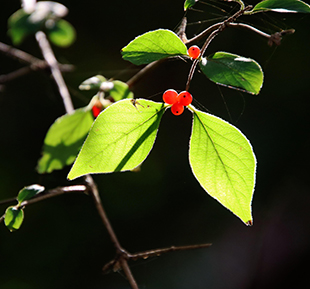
{"x": 189, "y": 3}
{"x": 153, "y": 45}
{"x": 64, "y": 140}
{"x": 62, "y": 33}
{"x": 13, "y": 218}
{"x": 28, "y": 192}
{"x": 223, "y": 162}
{"x": 120, "y": 91}
{"x": 92, "y": 83}
{"x": 233, "y": 71}
{"x": 120, "y": 139}
{"x": 282, "y": 6}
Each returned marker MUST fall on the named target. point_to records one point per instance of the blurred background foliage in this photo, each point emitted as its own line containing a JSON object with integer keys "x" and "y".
{"x": 62, "y": 241}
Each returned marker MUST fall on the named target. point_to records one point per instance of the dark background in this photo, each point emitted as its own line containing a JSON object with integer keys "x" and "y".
{"x": 62, "y": 242}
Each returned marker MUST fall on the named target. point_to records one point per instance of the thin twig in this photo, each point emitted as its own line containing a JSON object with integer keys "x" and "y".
{"x": 50, "y": 58}
{"x": 119, "y": 250}
{"x": 18, "y": 54}
{"x": 115, "y": 264}
{"x": 52, "y": 62}
{"x": 133, "y": 80}
{"x": 220, "y": 27}
{"x": 158, "y": 252}
{"x": 95, "y": 195}
{"x": 53, "y": 193}
{"x": 45, "y": 195}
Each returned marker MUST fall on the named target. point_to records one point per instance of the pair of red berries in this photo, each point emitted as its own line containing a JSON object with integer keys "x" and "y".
{"x": 178, "y": 101}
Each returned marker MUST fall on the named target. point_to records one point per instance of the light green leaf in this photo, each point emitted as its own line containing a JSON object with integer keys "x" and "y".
{"x": 28, "y": 192}
{"x": 19, "y": 26}
{"x": 223, "y": 162}
{"x": 13, "y": 218}
{"x": 282, "y": 6}
{"x": 152, "y": 46}
{"x": 120, "y": 91}
{"x": 62, "y": 33}
{"x": 120, "y": 139}
{"x": 233, "y": 71}
{"x": 189, "y": 3}
{"x": 45, "y": 16}
{"x": 92, "y": 83}
{"x": 64, "y": 140}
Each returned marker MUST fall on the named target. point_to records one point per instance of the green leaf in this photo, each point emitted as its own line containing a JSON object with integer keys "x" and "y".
{"x": 120, "y": 91}
{"x": 189, "y": 3}
{"x": 45, "y": 15}
{"x": 28, "y": 192}
{"x": 19, "y": 26}
{"x": 92, "y": 83}
{"x": 282, "y": 6}
{"x": 120, "y": 139}
{"x": 13, "y": 218}
{"x": 223, "y": 162}
{"x": 62, "y": 33}
{"x": 64, "y": 140}
{"x": 152, "y": 46}
{"x": 233, "y": 71}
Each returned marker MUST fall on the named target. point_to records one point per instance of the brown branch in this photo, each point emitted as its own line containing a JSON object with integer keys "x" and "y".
{"x": 137, "y": 77}
{"x": 115, "y": 264}
{"x": 45, "y": 195}
{"x": 272, "y": 38}
{"x": 221, "y": 27}
{"x": 24, "y": 57}
{"x": 50, "y": 58}
{"x": 120, "y": 252}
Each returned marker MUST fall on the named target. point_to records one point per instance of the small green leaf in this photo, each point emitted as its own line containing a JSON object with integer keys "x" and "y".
{"x": 45, "y": 15}
{"x": 120, "y": 91}
{"x": 233, "y": 71}
{"x": 28, "y": 192}
{"x": 223, "y": 162}
{"x": 13, "y": 218}
{"x": 92, "y": 83}
{"x": 282, "y": 6}
{"x": 152, "y": 46}
{"x": 120, "y": 139}
{"x": 64, "y": 140}
{"x": 62, "y": 33}
{"x": 19, "y": 26}
{"x": 189, "y": 3}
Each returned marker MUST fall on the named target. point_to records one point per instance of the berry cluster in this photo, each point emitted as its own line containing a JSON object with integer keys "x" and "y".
{"x": 178, "y": 101}
{"x": 194, "y": 52}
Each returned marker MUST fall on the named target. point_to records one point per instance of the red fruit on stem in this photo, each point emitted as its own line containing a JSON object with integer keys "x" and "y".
{"x": 177, "y": 108}
{"x": 193, "y": 51}
{"x": 170, "y": 96}
{"x": 185, "y": 98}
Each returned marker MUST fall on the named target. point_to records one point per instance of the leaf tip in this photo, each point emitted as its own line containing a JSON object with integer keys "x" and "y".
{"x": 249, "y": 223}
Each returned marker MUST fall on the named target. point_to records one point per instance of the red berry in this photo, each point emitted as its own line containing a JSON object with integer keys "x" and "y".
{"x": 193, "y": 51}
{"x": 177, "y": 108}
{"x": 185, "y": 98}
{"x": 170, "y": 96}
{"x": 97, "y": 108}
